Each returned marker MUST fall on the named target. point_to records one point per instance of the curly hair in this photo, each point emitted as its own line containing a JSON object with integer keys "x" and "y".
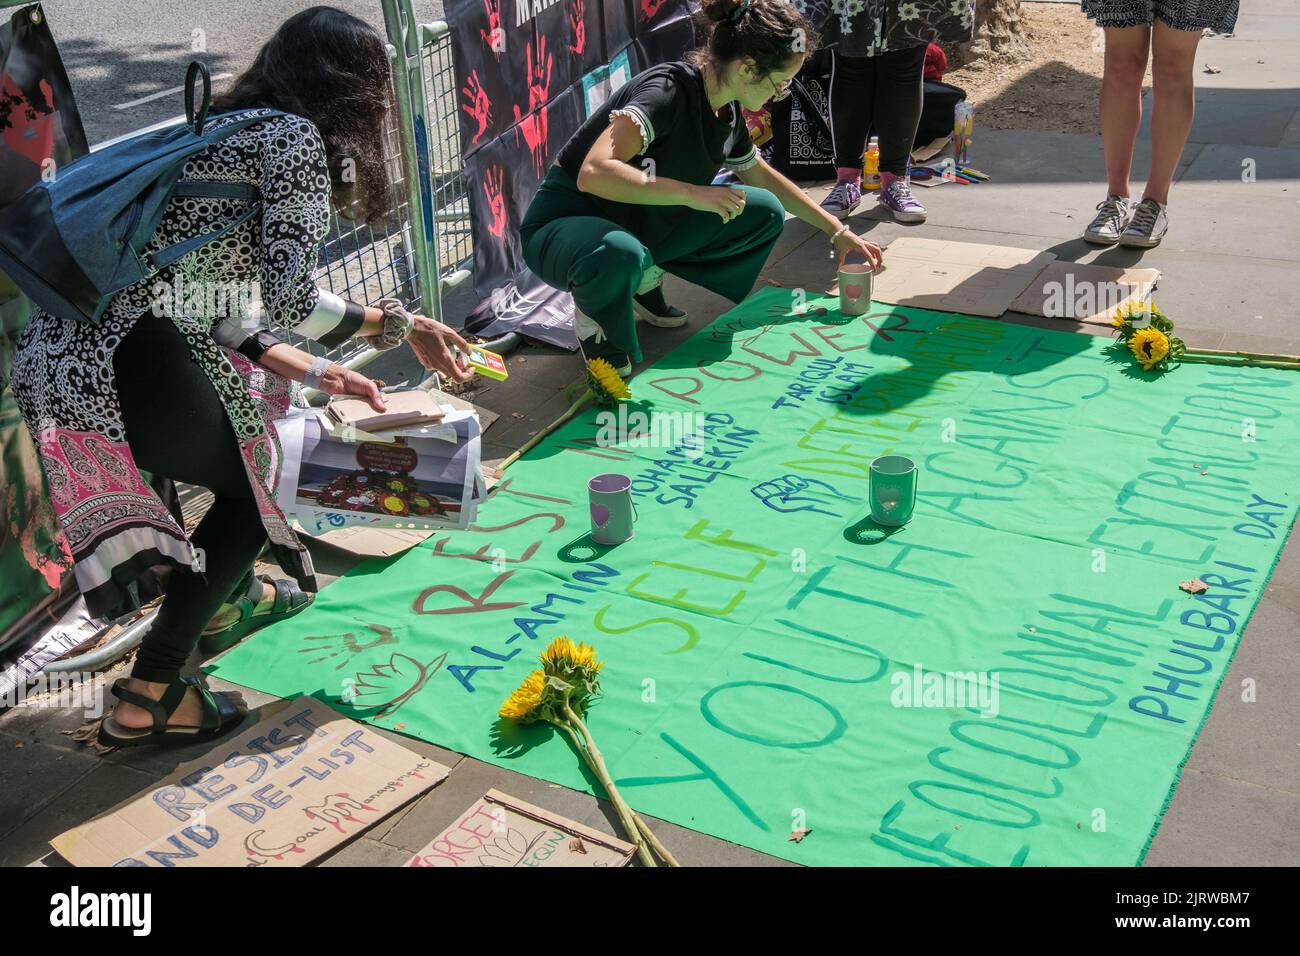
{"x": 331, "y": 68}
{"x": 768, "y": 31}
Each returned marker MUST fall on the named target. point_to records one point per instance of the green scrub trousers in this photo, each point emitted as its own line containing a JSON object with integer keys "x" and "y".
{"x": 572, "y": 241}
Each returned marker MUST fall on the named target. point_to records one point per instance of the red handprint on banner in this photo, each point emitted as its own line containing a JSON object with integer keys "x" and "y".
{"x": 496, "y": 202}
{"x": 578, "y": 21}
{"x": 493, "y": 36}
{"x": 478, "y": 106}
{"x": 533, "y": 126}
{"x": 650, "y": 7}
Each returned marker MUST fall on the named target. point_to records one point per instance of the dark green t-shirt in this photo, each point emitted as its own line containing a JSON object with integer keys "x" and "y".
{"x": 679, "y": 130}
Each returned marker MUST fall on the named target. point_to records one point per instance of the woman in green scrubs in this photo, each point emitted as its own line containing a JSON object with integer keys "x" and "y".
{"x": 629, "y": 196}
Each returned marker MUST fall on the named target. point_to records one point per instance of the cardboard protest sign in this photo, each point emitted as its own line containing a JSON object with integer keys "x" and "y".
{"x": 1084, "y": 292}
{"x": 501, "y": 830}
{"x": 283, "y": 793}
{"x": 968, "y": 277}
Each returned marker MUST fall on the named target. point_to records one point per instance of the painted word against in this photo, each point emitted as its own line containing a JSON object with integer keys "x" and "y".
{"x": 76, "y": 909}
{"x": 834, "y": 381}
{"x": 695, "y": 462}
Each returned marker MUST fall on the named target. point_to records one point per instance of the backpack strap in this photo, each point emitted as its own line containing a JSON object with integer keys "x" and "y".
{"x": 207, "y": 189}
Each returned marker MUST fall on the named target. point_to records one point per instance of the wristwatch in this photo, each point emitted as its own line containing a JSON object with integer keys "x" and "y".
{"x": 316, "y": 374}
{"x": 398, "y": 324}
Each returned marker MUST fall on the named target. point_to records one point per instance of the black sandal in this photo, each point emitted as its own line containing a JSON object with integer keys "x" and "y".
{"x": 289, "y": 600}
{"x": 220, "y": 714}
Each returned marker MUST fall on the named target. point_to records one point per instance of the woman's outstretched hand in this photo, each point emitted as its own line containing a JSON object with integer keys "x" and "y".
{"x": 343, "y": 381}
{"x": 721, "y": 200}
{"x": 432, "y": 343}
{"x": 847, "y": 242}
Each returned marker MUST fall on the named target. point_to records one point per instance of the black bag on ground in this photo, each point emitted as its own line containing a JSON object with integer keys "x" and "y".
{"x": 801, "y": 144}
{"x": 940, "y": 101}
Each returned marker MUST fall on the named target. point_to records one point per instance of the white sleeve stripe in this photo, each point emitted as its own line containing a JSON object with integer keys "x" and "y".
{"x": 638, "y": 116}
{"x": 744, "y": 162}
{"x": 328, "y": 313}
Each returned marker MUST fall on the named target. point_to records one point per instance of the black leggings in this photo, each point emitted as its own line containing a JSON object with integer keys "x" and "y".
{"x": 883, "y": 93}
{"x": 177, "y": 427}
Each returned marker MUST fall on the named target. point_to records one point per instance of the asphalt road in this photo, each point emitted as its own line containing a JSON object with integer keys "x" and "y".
{"x": 118, "y": 52}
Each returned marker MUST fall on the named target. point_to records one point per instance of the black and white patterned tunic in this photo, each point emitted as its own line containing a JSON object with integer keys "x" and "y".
{"x": 1218, "y": 15}
{"x": 872, "y": 27}
{"x": 63, "y": 377}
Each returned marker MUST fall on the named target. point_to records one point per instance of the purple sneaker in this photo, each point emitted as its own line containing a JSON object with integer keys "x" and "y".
{"x": 898, "y": 199}
{"x": 843, "y": 199}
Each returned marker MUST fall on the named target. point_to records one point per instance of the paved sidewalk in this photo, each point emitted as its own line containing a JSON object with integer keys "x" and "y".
{"x": 1230, "y": 265}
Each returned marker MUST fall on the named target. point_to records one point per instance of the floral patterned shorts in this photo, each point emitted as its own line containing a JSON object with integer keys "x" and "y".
{"x": 1219, "y": 15}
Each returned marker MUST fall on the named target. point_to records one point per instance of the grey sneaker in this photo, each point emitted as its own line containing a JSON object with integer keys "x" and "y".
{"x": 1149, "y": 225}
{"x": 1114, "y": 214}
{"x": 843, "y": 199}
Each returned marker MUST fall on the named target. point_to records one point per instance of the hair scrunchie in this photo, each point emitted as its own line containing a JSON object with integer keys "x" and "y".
{"x": 739, "y": 12}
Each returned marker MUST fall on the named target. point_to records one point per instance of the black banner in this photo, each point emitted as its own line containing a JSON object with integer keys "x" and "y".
{"x": 529, "y": 72}
{"x": 40, "y": 130}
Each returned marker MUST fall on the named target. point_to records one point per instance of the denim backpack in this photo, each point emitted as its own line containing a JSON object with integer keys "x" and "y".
{"x": 73, "y": 242}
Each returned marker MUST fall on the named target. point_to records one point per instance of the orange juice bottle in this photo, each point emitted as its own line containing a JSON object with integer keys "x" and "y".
{"x": 871, "y": 166}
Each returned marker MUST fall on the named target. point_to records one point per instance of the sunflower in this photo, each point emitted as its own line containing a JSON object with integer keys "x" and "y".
{"x": 1149, "y": 347}
{"x": 563, "y": 654}
{"x": 523, "y": 702}
{"x": 606, "y": 385}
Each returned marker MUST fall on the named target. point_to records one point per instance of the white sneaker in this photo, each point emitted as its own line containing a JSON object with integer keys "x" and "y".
{"x": 1149, "y": 225}
{"x": 592, "y": 344}
{"x": 1114, "y": 213}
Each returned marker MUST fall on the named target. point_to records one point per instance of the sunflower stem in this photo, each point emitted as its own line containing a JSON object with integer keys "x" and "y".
{"x": 1251, "y": 356}
{"x": 532, "y": 442}
{"x": 597, "y": 763}
{"x": 649, "y": 834}
{"x": 1215, "y": 358}
{"x": 602, "y": 774}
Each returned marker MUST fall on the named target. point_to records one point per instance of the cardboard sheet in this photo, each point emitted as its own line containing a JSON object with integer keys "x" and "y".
{"x": 968, "y": 277}
{"x": 283, "y": 793}
{"x": 1084, "y": 292}
{"x": 501, "y": 830}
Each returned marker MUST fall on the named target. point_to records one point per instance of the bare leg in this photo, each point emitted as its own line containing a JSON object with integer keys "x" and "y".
{"x": 1173, "y": 55}
{"x": 1121, "y": 101}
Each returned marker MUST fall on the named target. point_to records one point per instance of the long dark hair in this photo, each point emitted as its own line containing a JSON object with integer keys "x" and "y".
{"x": 770, "y": 32}
{"x": 331, "y": 68}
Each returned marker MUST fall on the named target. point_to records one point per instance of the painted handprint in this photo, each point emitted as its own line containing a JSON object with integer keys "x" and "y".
{"x": 496, "y": 203}
{"x": 493, "y": 36}
{"x": 476, "y": 104}
{"x": 650, "y": 7}
{"x": 533, "y": 126}
{"x": 578, "y": 22}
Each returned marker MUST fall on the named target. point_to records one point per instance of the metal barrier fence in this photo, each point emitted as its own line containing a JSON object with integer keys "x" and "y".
{"x": 426, "y": 245}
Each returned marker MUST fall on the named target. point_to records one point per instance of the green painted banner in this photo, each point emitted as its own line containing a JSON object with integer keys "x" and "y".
{"x": 1013, "y": 678}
